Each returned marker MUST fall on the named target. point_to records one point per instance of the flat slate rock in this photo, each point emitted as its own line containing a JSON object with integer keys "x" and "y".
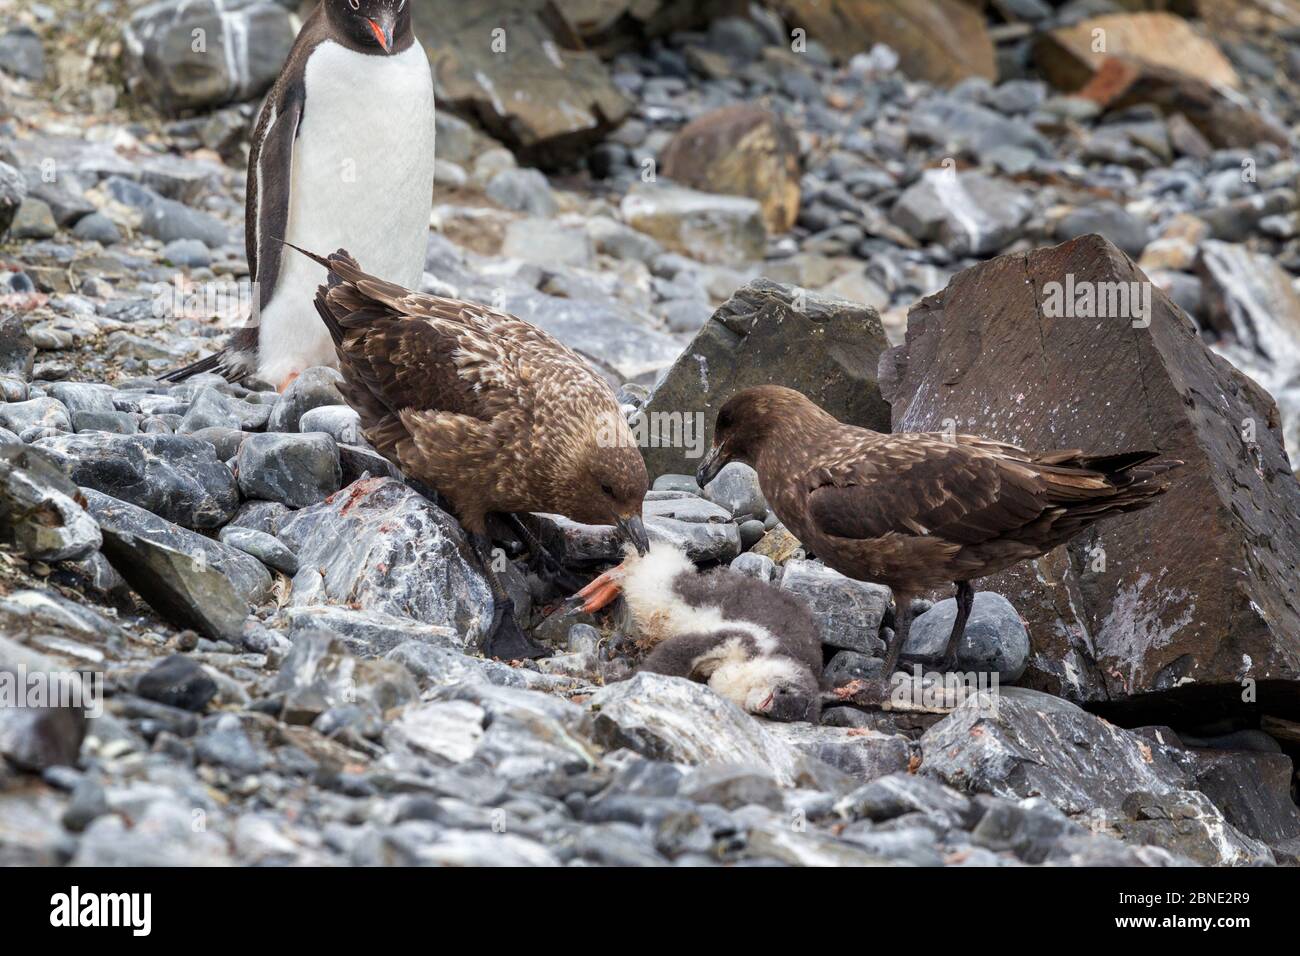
{"x": 368, "y": 633}
{"x": 245, "y": 574}
{"x": 180, "y": 585}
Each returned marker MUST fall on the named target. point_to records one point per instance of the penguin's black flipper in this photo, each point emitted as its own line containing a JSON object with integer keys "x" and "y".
{"x": 270, "y": 180}
{"x": 270, "y": 171}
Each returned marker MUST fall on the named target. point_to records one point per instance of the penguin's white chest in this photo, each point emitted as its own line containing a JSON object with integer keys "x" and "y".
{"x": 363, "y": 162}
{"x": 362, "y": 180}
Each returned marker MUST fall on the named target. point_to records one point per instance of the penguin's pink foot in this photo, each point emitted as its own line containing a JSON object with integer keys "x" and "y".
{"x": 288, "y": 380}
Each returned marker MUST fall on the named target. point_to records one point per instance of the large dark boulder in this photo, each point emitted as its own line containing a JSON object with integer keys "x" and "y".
{"x": 1194, "y": 599}
{"x": 765, "y": 334}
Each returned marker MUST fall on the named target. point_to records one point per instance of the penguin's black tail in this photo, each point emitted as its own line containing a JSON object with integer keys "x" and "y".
{"x": 210, "y": 364}
{"x": 234, "y": 363}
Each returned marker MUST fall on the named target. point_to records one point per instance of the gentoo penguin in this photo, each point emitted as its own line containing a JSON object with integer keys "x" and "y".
{"x": 750, "y": 642}
{"x": 342, "y": 155}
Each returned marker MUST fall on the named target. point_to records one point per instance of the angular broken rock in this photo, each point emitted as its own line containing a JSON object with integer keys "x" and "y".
{"x": 380, "y": 545}
{"x": 901, "y": 793}
{"x": 1198, "y": 588}
{"x": 939, "y": 41}
{"x": 39, "y": 514}
{"x": 182, "y": 587}
{"x": 529, "y": 737}
{"x": 320, "y": 673}
{"x": 176, "y": 477}
{"x": 1253, "y": 789}
{"x": 244, "y": 43}
{"x": 1188, "y": 823}
{"x": 726, "y": 230}
{"x": 1223, "y": 117}
{"x": 38, "y": 611}
{"x": 671, "y": 718}
{"x": 368, "y": 633}
{"x": 765, "y": 334}
{"x": 702, "y": 538}
{"x": 740, "y": 150}
{"x": 1022, "y": 743}
{"x": 1069, "y": 55}
{"x": 1249, "y": 297}
{"x": 862, "y": 754}
{"x": 540, "y": 92}
{"x": 969, "y": 213}
{"x": 448, "y": 730}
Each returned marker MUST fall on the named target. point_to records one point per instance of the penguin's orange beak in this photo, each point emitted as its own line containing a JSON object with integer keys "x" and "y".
{"x": 383, "y": 34}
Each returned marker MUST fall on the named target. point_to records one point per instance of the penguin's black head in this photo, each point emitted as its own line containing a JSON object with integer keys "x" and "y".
{"x": 376, "y": 26}
{"x": 792, "y": 701}
{"x": 780, "y": 688}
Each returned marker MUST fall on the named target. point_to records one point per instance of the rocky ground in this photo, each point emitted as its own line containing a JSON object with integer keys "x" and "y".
{"x": 698, "y": 198}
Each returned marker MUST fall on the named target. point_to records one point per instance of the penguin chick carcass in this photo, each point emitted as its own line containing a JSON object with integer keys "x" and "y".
{"x": 750, "y": 642}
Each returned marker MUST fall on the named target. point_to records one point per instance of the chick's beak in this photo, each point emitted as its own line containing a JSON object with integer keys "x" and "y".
{"x": 713, "y": 463}
{"x": 634, "y": 531}
{"x": 383, "y": 33}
